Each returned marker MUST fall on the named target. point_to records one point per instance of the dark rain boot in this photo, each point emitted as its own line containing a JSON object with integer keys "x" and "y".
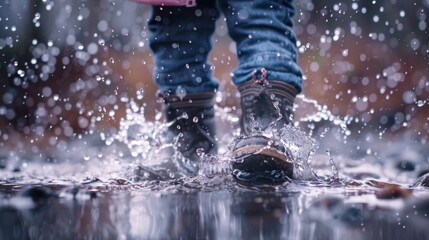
{"x": 193, "y": 126}
{"x": 265, "y": 105}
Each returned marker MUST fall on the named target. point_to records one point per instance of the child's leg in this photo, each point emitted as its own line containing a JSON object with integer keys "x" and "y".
{"x": 263, "y": 32}
{"x": 181, "y": 41}
{"x": 268, "y": 79}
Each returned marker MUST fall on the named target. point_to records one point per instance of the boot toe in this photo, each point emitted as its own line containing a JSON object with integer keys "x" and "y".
{"x": 260, "y": 159}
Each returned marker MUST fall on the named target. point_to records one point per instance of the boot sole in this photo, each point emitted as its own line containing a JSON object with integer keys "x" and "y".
{"x": 260, "y": 162}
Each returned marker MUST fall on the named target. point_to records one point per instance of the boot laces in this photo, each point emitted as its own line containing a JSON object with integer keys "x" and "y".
{"x": 261, "y": 81}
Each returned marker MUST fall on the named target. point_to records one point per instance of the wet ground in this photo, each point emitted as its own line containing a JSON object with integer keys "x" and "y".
{"x": 358, "y": 187}
{"x": 296, "y": 213}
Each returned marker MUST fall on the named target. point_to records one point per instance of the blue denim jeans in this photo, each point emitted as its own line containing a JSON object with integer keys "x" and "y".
{"x": 181, "y": 40}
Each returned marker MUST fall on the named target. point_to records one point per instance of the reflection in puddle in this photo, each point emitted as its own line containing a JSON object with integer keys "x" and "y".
{"x": 241, "y": 214}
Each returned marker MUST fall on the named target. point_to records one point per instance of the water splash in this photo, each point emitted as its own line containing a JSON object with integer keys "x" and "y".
{"x": 321, "y": 113}
{"x": 335, "y": 174}
{"x": 302, "y": 147}
{"x": 212, "y": 166}
{"x": 145, "y": 139}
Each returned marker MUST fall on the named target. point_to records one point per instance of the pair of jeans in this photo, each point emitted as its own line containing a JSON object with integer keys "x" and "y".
{"x": 181, "y": 39}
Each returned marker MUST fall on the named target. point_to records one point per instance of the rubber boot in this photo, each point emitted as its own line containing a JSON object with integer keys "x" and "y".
{"x": 266, "y": 106}
{"x": 193, "y": 126}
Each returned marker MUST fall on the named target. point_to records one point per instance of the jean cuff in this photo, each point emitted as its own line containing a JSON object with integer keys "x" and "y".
{"x": 280, "y": 67}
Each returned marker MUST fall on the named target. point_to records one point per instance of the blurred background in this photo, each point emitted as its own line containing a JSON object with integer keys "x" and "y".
{"x": 69, "y": 68}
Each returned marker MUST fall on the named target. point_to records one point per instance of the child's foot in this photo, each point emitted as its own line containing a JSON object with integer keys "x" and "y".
{"x": 265, "y": 106}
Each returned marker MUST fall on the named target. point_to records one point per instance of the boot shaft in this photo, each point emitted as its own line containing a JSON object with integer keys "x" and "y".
{"x": 265, "y": 104}
{"x": 193, "y": 120}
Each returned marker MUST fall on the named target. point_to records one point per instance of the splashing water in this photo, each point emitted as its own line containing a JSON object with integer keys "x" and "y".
{"x": 322, "y": 113}
{"x": 143, "y": 138}
{"x": 335, "y": 176}
{"x": 149, "y": 161}
{"x": 149, "y": 156}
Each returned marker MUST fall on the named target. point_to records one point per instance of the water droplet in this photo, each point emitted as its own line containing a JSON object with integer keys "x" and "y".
{"x": 158, "y": 116}
{"x": 180, "y": 92}
{"x": 101, "y": 42}
{"x": 421, "y": 103}
{"x": 140, "y": 94}
{"x": 200, "y": 152}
